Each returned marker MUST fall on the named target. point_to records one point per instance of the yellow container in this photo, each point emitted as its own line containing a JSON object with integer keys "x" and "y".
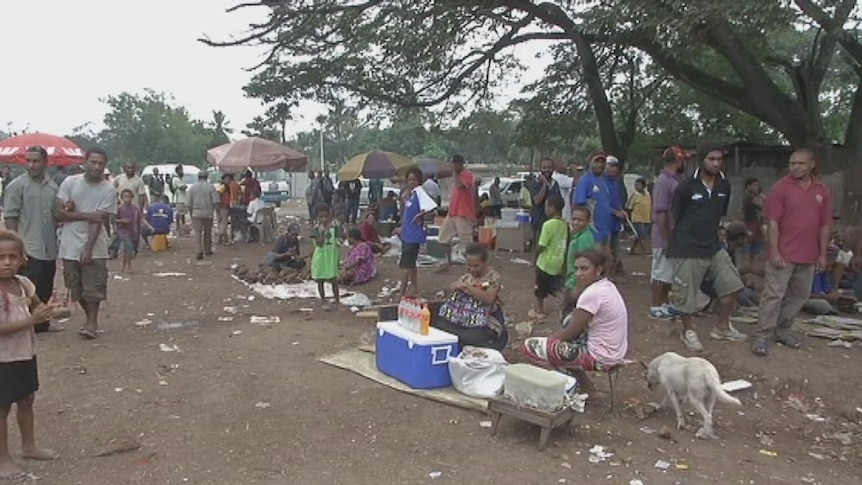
{"x": 160, "y": 242}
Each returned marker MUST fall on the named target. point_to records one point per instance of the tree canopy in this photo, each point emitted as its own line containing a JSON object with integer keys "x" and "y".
{"x": 781, "y": 67}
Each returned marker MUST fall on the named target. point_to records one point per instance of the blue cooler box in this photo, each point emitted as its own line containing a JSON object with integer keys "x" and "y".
{"x": 420, "y": 361}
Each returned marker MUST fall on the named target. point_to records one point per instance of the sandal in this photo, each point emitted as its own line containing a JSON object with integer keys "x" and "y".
{"x": 87, "y": 334}
{"x": 760, "y": 347}
{"x": 789, "y": 340}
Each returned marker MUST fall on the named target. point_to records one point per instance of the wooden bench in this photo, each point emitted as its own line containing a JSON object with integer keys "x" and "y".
{"x": 547, "y": 421}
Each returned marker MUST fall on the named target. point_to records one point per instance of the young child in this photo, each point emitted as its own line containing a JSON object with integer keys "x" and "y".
{"x": 129, "y": 221}
{"x": 19, "y": 377}
{"x": 327, "y": 254}
{"x": 550, "y": 265}
{"x": 582, "y": 239}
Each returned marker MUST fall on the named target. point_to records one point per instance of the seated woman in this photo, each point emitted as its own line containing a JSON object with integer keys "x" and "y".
{"x": 389, "y": 207}
{"x": 285, "y": 251}
{"x": 371, "y": 236}
{"x": 360, "y": 266}
{"x": 473, "y": 310}
{"x": 595, "y": 335}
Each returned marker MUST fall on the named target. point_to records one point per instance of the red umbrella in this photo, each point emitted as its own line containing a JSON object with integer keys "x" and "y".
{"x": 61, "y": 152}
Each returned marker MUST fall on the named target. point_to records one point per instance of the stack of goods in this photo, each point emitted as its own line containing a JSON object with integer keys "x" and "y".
{"x": 271, "y": 276}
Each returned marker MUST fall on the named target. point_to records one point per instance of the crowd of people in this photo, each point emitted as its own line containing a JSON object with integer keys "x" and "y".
{"x": 577, "y": 220}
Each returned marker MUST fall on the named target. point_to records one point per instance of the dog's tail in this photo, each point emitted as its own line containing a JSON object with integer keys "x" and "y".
{"x": 724, "y": 396}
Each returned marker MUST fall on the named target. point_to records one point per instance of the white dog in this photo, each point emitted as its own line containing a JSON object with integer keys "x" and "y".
{"x": 694, "y": 380}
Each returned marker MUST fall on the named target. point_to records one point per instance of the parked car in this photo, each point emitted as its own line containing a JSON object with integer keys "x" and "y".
{"x": 275, "y": 186}
{"x": 510, "y": 188}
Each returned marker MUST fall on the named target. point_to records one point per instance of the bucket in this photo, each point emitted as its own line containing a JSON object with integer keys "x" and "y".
{"x": 160, "y": 242}
{"x": 486, "y": 236}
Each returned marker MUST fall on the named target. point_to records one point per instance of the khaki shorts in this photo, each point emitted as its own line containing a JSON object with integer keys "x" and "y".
{"x": 689, "y": 274}
{"x": 662, "y": 267}
{"x": 182, "y": 209}
{"x": 456, "y": 226}
{"x": 86, "y": 282}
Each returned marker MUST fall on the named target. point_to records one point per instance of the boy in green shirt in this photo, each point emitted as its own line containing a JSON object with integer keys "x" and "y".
{"x": 550, "y": 265}
{"x": 582, "y": 239}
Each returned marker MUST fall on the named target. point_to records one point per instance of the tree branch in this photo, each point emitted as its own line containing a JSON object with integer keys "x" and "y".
{"x": 833, "y": 26}
{"x": 853, "y": 135}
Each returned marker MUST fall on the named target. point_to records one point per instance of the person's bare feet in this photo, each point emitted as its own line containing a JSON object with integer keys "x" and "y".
{"x": 8, "y": 469}
{"x": 43, "y": 454}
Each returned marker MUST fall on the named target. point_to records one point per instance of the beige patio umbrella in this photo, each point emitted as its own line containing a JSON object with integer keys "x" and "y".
{"x": 258, "y": 154}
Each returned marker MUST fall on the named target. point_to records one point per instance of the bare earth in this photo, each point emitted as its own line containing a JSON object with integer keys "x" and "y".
{"x": 258, "y": 408}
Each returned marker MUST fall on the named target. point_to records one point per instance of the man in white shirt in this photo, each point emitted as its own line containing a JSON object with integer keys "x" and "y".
{"x": 566, "y": 183}
{"x": 254, "y": 206}
{"x": 181, "y": 200}
{"x": 84, "y": 204}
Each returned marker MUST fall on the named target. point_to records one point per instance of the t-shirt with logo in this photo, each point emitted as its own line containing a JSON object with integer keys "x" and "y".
{"x": 417, "y": 202}
{"x": 160, "y": 216}
{"x": 555, "y": 233}
{"x": 697, "y": 210}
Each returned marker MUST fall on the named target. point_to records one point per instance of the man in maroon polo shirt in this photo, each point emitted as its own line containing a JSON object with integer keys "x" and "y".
{"x": 799, "y": 211}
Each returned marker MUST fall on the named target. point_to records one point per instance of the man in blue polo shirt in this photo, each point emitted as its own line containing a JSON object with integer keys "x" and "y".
{"x": 593, "y": 192}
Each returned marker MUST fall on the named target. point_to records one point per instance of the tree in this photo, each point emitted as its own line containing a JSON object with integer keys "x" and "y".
{"x": 149, "y": 129}
{"x": 220, "y": 129}
{"x": 424, "y": 53}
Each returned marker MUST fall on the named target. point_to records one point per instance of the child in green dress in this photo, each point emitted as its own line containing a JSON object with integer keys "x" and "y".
{"x": 327, "y": 253}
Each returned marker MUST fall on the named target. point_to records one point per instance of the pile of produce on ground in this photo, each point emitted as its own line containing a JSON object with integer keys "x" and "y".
{"x": 271, "y": 276}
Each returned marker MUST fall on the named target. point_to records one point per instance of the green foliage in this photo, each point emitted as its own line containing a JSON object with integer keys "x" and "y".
{"x": 779, "y": 69}
{"x": 149, "y": 129}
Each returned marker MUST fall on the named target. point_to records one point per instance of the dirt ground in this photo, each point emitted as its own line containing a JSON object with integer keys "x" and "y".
{"x": 257, "y": 407}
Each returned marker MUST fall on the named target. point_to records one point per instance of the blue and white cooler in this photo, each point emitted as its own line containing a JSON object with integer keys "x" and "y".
{"x": 420, "y": 361}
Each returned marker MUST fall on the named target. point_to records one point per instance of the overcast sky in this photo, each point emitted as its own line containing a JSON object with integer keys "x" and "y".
{"x": 60, "y": 56}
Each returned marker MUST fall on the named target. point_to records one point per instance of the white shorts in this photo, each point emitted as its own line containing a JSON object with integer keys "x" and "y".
{"x": 662, "y": 267}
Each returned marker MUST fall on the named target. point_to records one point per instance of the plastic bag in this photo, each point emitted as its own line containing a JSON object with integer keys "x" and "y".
{"x": 478, "y": 372}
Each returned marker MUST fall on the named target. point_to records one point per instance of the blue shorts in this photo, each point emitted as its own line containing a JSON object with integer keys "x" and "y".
{"x": 127, "y": 246}
{"x": 643, "y": 230}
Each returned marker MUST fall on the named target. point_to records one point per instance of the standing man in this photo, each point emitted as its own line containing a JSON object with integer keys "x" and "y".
{"x": 353, "y": 190}
{"x": 593, "y": 192}
{"x": 462, "y": 209}
{"x": 84, "y": 203}
{"x": 203, "y": 200}
{"x": 375, "y": 191}
{"x": 661, "y": 272}
{"x": 618, "y": 197}
{"x": 36, "y": 224}
{"x": 697, "y": 253}
{"x": 566, "y": 183}
{"x": 543, "y": 187}
{"x": 130, "y": 180}
{"x": 312, "y": 195}
{"x": 799, "y": 211}
{"x": 156, "y": 185}
{"x": 250, "y": 185}
{"x": 181, "y": 199}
